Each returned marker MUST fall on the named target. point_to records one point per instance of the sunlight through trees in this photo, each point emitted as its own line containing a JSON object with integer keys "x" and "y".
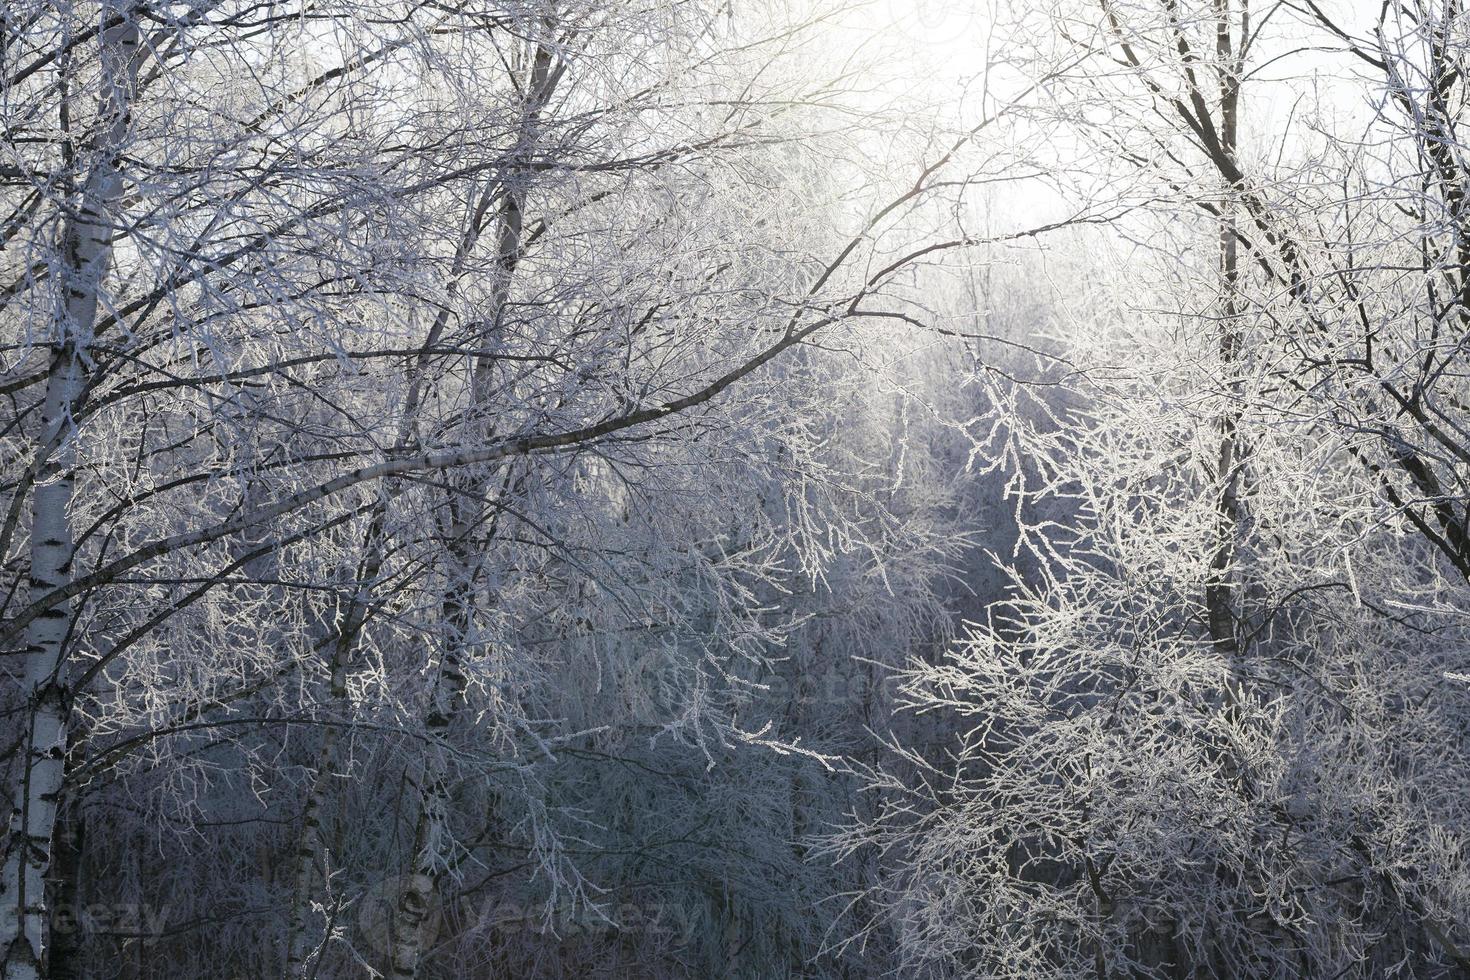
{"x": 695, "y": 488}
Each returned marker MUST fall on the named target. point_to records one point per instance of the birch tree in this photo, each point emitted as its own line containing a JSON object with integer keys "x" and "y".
{"x": 1169, "y": 759}
{"x": 82, "y": 259}
{"x": 403, "y": 320}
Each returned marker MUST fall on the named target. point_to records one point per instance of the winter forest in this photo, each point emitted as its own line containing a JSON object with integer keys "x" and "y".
{"x": 742, "y": 489}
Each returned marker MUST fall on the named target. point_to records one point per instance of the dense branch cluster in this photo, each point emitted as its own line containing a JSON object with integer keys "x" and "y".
{"x": 602, "y": 488}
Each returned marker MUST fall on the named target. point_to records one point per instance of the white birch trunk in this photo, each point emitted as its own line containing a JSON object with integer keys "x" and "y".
{"x": 432, "y": 835}
{"x": 310, "y": 860}
{"x": 85, "y": 255}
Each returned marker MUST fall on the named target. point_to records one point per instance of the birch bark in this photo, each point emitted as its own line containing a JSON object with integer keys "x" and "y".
{"x": 468, "y": 506}
{"x": 81, "y": 263}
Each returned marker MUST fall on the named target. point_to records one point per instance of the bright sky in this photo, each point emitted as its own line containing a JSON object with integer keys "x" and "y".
{"x": 943, "y": 46}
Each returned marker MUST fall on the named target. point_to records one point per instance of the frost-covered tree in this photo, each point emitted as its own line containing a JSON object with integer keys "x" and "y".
{"x": 476, "y": 479}
{"x": 397, "y": 432}
{"x": 1215, "y": 730}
